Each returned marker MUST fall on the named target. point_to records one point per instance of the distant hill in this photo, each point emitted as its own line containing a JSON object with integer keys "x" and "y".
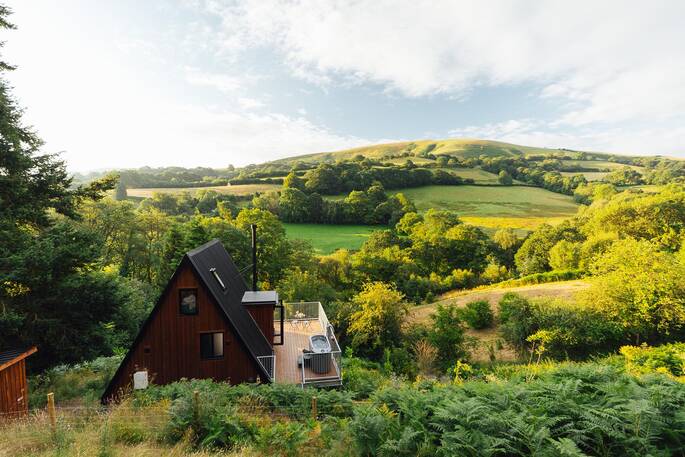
{"x": 458, "y": 147}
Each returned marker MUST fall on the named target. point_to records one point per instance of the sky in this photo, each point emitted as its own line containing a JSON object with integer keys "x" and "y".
{"x": 129, "y": 83}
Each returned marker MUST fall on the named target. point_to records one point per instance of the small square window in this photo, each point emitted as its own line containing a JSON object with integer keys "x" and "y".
{"x": 187, "y": 299}
{"x": 212, "y": 345}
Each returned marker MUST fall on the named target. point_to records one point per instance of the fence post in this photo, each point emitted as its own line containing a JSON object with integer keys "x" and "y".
{"x": 196, "y": 409}
{"x": 51, "y": 413}
{"x": 315, "y": 413}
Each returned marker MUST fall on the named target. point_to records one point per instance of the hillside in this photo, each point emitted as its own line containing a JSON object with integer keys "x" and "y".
{"x": 457, "y": 147}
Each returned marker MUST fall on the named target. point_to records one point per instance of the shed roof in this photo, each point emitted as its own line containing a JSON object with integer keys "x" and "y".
{"x": 260, "y": 297}
{"x": 11, "y": 356}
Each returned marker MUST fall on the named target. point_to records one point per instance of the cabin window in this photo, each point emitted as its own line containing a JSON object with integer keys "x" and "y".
{"x": 218, "y": 278}
{"x": 187, "y": 299}
{"x": 212, "y": 345}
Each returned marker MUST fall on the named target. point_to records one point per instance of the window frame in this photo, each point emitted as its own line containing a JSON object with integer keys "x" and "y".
{"x": 223, "y": 344}
{"x": 180, "y": 301}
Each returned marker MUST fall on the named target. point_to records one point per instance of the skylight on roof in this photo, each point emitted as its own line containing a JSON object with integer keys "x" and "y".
{"x": 218, "y": 278}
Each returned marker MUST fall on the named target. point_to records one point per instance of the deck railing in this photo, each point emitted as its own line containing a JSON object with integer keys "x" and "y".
{"x": 268, "y": 362}
{"x": 313, "y": 311}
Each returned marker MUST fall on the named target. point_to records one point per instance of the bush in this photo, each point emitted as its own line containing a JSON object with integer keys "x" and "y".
{"x": 447, "y": 335}
{"x": 540, "y": 278}
{"x": 360, "y": 377}
{"x": 668, "y": 359}
{"x": 478, "y": 314}
{"x": 557, "y": 329}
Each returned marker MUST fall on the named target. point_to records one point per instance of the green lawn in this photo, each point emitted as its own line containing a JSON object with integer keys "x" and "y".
{"x": 327, "y": 238}
{"x": 496, "y": 201}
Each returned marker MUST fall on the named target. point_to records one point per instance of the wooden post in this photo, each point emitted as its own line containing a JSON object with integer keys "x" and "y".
{"x": 315, "y": 413}
{"x": 51, "y": 412}
{"x": 196, "y": 408}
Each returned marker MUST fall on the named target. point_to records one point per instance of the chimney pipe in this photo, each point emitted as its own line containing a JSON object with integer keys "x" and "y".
{"x": 253, "y": 228}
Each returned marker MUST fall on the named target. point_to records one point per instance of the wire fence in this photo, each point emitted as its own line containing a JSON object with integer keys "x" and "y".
{"x": 310, "y": 408}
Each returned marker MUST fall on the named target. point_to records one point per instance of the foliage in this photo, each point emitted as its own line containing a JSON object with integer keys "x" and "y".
{"x": 376, "y": 321}
{"x": 668, "y": 359}
{"x": 478, "y": 314}
{"x": 567, "y": 330}
{"x": 641, "y": 289}
{"x": 533, "y": 256}
{"x": 447, "y": 335}
{"x": 83, "y": 381}
{"x": 541, "y": 278}
{"x": 299, "y": 285}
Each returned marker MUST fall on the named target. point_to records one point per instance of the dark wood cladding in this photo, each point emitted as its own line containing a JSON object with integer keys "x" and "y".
{"x": 13, "y": 390}
{"x": 264, "y": 316}
{"x": 169, "y": 348}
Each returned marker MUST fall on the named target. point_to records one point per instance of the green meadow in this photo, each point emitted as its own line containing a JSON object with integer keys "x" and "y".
{"x": 493, "y": 201}
{"x": 490, "y": 207}
{"x": 327, "y": 238}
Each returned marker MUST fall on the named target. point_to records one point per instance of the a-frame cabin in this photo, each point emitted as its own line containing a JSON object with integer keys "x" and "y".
{"x": 201, "y": 329}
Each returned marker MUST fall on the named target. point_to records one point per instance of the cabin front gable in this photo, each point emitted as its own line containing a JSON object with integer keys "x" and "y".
{"x": 186, "y": 336}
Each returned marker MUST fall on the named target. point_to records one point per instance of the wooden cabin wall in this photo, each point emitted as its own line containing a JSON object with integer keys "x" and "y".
{"x": 173, "y": 340}
{"x": 13, "y": 390}
{"x": 264, "y": 316}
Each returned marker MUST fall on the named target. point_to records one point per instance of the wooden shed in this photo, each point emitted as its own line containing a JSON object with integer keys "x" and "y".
{"x": 14, "y": 390}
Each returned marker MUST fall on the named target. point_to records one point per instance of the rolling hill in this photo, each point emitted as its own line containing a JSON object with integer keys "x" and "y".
{"x": 458, "y": 147}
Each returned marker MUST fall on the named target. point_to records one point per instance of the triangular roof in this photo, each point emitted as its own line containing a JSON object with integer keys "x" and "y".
{"x": 209, "y": 257}
{"x": 11, "y": 356}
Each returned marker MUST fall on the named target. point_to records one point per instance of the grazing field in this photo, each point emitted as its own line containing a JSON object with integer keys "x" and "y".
{"x": 327, "y": 238}
{"x": 242, "y": 189}
{"x": 600, "y": 164}
{"x": 492, "y": 207}
{"x": 589, "y": 175}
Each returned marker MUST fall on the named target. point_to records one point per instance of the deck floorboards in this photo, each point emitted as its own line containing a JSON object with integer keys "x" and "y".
{"x": 296, "y": 338}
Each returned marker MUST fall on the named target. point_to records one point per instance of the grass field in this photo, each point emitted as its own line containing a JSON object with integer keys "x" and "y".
{"x": 327, "y": 238}
{"x": 599, "y": 164}
{"x": 242, "y": 189}
{"x": 518, "y": 206}
{"x": 589, "y": 175}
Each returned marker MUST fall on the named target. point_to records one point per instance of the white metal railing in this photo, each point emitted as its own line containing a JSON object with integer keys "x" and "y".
{"x": 312, "y": 311}
{"x": 268, "y": 362}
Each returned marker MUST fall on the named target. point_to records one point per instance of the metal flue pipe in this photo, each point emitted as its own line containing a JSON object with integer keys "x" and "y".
{"x": 253, "y": 228}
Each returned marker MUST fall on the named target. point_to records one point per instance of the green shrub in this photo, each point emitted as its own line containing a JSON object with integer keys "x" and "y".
{"x": 541, "y": 278}
{"x": 283, "y": 438}
{"x": 668, "y": 359}
{"x": 86, "y": 381}
{"x": 478, "y": 314}
{"x": 447, "y": 335}
{"x": 516, "y": 320}
{"x": 556, "y": 328}
{"x": 360, "y": 377}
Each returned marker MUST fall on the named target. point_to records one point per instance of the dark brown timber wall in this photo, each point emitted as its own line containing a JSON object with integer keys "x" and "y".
{"x": 264, "y": 317}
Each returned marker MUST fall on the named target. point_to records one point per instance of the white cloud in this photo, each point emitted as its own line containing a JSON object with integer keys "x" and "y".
{"x": 221, "y": 82}
{"x": 607, "y": 61}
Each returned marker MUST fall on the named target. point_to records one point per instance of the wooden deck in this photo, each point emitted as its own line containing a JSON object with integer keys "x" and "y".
{"x": 296, "y": 338}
